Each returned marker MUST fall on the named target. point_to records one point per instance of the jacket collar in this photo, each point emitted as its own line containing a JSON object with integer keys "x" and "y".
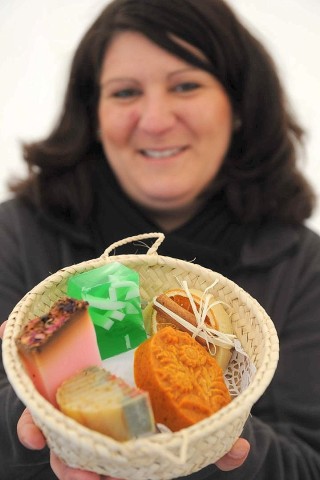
{"x": 264, "y": 246}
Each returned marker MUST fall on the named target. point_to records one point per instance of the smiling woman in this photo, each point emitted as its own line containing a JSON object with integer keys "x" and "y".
{"x": 40, "y": 57}
{"x": 175, "y": 120}
{"x": 163, "y": 153}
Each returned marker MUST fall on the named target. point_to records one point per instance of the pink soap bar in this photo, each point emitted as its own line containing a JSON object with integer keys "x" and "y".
{"x": 57, "y": 345}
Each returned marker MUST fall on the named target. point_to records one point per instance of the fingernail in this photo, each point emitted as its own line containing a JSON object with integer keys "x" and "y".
{"x": 238, "y": 452}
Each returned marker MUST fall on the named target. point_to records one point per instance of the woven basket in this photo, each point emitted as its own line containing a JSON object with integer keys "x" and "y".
{"x": 161, "y": 456}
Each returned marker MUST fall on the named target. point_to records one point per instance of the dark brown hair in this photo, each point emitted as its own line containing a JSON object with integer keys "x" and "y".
{"x": 259, "y": 177}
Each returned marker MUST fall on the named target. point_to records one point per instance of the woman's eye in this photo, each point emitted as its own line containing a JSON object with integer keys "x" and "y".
{"x": 126, "y": 93}
{"x": 186, "y": 87}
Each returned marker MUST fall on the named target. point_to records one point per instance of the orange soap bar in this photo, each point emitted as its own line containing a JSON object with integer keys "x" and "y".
{"x": 57, "y": 345}
{"x": 185, "y": 383}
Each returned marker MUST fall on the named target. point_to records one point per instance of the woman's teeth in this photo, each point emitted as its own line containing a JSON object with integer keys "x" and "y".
{"x": 161, "y": 153}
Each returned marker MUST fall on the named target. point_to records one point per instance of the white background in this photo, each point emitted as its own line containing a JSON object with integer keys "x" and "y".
{"x": 38, "y": 38}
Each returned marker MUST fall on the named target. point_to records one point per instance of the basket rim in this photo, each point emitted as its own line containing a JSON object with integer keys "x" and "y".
{"x": 27, "y": 393}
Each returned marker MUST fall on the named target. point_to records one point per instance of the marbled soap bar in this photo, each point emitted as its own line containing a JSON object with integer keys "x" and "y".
{"x": 56, "y": 345}
{"x": 103, "y": 402}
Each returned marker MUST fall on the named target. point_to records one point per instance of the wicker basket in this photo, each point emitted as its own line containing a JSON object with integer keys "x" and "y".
{"x": 161, "y": 456}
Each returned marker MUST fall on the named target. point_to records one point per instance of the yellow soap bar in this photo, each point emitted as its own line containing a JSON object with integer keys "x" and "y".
{"x": 103, "y": 402}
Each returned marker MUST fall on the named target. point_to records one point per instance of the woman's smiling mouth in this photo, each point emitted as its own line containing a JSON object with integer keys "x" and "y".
{"x": 163, "y": 153}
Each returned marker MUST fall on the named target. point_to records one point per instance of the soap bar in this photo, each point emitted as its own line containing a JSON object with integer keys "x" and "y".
{"x": 205, "y": 318}
{"x": 184, "y": 381}
{"x": 104, "y": 402}
{"x": 58, "y": 344}
{"x": 112, "y": 292}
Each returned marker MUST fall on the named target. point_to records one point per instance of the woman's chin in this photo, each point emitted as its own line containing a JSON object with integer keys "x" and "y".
{"x": 169, "y": 211}
{"x": 166, "y": 203}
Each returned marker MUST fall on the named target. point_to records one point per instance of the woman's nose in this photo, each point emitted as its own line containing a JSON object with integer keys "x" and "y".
{"x": 157, "y": 114}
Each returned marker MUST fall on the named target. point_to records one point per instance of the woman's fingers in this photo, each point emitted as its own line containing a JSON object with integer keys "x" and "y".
{"x": 230, "y": 461}
{"x": 31, "y": 437}
{"x": 29, "y": 434}
{"x": 2, "y": 327}
{"x": 63, "y": 472}
{"x": 235, "y": 457}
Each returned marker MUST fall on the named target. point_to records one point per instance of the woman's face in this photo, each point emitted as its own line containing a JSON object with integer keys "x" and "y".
{"x": 165, "y": 125}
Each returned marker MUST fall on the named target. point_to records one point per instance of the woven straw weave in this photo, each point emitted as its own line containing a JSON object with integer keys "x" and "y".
{"x": 161, "y": 456}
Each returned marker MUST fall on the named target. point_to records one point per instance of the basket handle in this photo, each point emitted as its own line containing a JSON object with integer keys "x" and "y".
{"x": 153, "y": 249}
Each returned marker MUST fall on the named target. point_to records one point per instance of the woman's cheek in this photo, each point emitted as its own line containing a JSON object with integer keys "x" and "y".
{"x": 117, "y": 125}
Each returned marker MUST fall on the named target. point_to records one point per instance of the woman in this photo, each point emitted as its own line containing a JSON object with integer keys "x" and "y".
{"x": 174, "y": 120}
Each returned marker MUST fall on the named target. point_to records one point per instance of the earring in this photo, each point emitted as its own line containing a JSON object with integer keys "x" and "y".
{"x": 237, "y": 123}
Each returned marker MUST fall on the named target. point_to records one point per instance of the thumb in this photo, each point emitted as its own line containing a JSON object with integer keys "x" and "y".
{"x": 29, "y": 434}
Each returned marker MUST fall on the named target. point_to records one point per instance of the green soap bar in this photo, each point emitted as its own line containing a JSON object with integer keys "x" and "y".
{"x": 114, "y": 306}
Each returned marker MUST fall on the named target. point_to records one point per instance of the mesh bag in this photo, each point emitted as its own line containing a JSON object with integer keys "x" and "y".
{"x": 166, "y": 455}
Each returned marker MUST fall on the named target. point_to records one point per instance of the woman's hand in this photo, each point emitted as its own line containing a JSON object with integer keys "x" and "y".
{"x": 230, "y": 461}
{"x": 2, "y": 327}
{"x": 31, "y": 437}
{"x": 235, "y": 457}
{"x": 66, "y": 473}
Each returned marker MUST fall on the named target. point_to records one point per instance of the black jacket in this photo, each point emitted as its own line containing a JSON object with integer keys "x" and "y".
{"x": 278, "y": 265}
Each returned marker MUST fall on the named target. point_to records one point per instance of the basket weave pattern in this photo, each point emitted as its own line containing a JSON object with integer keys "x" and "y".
{"x": 162, "y": 456}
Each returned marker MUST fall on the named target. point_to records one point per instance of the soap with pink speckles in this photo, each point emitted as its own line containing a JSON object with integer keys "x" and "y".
{"x": 55, "y": 346}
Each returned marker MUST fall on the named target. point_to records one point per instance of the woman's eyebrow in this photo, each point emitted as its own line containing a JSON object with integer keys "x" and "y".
{"x": 109, "y": 81}
{"x": 191, "y": 68}
{"x": 132, "y": 79}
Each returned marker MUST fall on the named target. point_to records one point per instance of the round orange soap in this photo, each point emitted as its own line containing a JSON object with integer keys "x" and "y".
{"x": 185, "y": 383}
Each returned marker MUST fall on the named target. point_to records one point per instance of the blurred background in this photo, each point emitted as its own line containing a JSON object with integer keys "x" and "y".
{"x": 37, "y": 40}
